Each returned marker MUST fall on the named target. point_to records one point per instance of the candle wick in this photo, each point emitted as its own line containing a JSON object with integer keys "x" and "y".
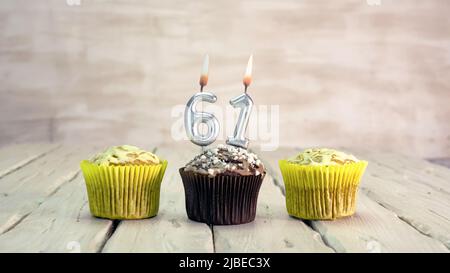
{"x": 245, "y": 90}
{"x": 201, "y": 87}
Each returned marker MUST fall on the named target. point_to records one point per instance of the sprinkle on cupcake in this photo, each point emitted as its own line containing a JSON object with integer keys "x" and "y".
{"x": 226, "y": 159}
{"x": 322, "y": 156}
{"x": 123, "y": 155}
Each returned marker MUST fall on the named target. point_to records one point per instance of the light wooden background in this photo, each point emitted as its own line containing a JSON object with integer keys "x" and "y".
{"x": 403, "y": 205}
{"x": 344, "y": 73}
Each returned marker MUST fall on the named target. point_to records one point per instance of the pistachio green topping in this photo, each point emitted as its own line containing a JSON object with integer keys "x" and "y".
{"x": 322, "y": 156}
{"x": 124, "y": 155}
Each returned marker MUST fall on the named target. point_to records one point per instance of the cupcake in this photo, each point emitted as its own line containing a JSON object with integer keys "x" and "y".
{"x": 123, "y": 182}
{"x": 321, "y": 183}
{"x": 222, "y": 184}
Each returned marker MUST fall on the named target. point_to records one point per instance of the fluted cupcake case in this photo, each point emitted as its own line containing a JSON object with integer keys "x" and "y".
{"x": 321, "y": 192}
{"x": 222, "y": 199}
{"x": 123, "y": 192}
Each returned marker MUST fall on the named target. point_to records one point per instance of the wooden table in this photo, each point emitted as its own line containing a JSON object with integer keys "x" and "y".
{"x": 403, "y": 206}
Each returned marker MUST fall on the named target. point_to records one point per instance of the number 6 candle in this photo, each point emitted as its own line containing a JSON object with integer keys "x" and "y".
{"x": 193, "y": 117}
{"x": 245, "y": 103}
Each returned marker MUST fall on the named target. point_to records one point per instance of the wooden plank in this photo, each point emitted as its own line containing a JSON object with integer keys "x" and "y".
{"x": 270, "y": 160}
{"x": 418, "y": 165}
{"x": 416, "y": 190}
{"x": 24, "y": 190}
{"x": 411, "y": 170}
{"x": 45, "y": 197}
{"x": 423, "y": 207}
{"x": 445, "y": 161}
{"x": 272, "y": 231}
{"x": 374, "y": 229}
{"x": 170, "y": 230}
{"x": 62, "y": 223}
{"x": 16, "y": 156}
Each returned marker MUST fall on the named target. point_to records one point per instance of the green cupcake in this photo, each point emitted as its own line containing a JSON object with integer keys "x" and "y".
{"x": 124, "y": 182}
{"x": 322, "y": 183}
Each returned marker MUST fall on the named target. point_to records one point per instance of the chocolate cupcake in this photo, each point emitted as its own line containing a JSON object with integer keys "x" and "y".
{"x": 222, "y": 185}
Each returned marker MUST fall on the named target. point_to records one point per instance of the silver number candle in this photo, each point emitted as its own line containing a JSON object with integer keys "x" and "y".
{"x": 193, "y": 118}
{"x": 245, "y": 103}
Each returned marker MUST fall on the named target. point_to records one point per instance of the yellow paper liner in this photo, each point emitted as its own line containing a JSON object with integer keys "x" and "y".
{"x": 321, "y": 192}
{"x": 123, "y": 192}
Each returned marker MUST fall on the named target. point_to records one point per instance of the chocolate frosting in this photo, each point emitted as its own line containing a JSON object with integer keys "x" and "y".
{"x": 228, "y": 160}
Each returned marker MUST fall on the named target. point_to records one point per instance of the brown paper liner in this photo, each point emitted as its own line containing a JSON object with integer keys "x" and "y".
{"x": 221, "y": 200}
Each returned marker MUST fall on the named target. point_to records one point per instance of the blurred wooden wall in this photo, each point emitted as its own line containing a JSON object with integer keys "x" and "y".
{"x": 344, "y": 73}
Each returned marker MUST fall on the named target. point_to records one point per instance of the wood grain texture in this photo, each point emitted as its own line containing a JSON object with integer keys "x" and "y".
{"x": 403, "y": 206}
{"x": 445, "y": 161}
{"x": 421, "y": 206}
{"x": 338, "y": 70}
{"x": 23, "y": 191}
{"x": 271, "y": 231}
{"x": 418, "y": 202}
{"x": 62, "y": 223}
{"x": 374, "y": 229}
{"x": 16, "y": 156}
{"x": 270, "y": 160}
{"x": 412, "y": 169}
{"x": 417, "y": 191}
{"x": 170, "y": 230}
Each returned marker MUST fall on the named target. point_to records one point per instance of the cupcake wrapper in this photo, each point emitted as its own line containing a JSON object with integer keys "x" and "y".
{"x": 221, "y": 200}
{"x": 123, "y": 192}
{"x": 321, "y": 192}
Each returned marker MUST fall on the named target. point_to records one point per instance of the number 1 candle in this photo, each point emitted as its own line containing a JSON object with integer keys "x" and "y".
{"x": 245, "y": 103}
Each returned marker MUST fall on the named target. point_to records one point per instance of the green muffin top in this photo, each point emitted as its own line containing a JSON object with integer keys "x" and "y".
{"x": 125, "y": 155}
{"x": 322, "y": 157}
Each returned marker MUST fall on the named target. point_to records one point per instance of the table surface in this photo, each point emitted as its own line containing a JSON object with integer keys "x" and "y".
{"x": 403, "y": 206}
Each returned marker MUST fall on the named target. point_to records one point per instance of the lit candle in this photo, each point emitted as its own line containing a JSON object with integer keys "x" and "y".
{"x": 204, "y": 74}
{"x": 248, "y": 73}
{"x": 245, "y": 103}
{"x": 193, "y": 117}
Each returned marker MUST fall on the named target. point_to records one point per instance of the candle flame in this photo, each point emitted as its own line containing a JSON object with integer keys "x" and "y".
{"x": 248, "y": 72}
{"x": 204, "y": 74}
